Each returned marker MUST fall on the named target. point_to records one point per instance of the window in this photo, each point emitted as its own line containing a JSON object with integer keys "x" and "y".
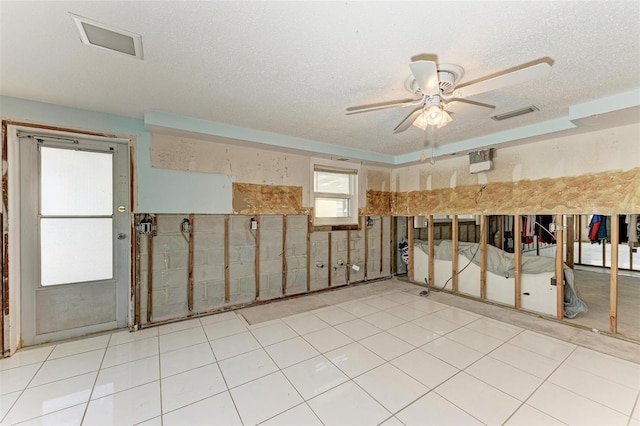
{"x": 335, "y": 195}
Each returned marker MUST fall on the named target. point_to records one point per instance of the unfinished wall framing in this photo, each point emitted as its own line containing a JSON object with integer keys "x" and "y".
{"x": 223, "y": 263}
{"x": 603, "y": 193}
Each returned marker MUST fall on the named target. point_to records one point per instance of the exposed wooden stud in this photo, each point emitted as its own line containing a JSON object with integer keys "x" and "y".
{"x": 4, "y": 283}
{"x": 604, "y": 253}
{"x": 137, "y": 272}
{"x": 308, "y": 255}
{"x": 454, "y": 253}
{"x": 382, "y": 244}
{"x": 570, "y": 238}
{"x": 559, "y": 267}
{"x": 257, "y": 258}
{"x": 348, "y": 265}
{"x": 432, "y": 263}
{"x": 613, "y": 281}
{"x": 154, "y": 223}
{"x": 366, "y": 248}
{"x": 410, "y": 243}
{"x": 284, "y": 254}
{"x": 483, "y": 256}
{"x": 190, "y": 270}
{"x": 227, "y": 284}
{"x": 329, "y": 264}
{"x": 579, "y": 239}
{"x": 517, "y": 251}
{"x": 2, "y": 332}
{"x": 393, "y": 237}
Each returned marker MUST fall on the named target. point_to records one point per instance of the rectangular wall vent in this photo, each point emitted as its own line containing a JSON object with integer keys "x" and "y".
{"x": 105, "y": 37}
{"x": 515, "y": 113}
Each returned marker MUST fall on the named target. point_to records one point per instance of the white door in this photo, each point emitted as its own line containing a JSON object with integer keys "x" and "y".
{"x": 74, "y": 236}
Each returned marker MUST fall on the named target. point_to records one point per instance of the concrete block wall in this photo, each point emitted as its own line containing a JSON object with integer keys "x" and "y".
{"x": 208, "y": 262}
{"x": 170, "y": 268}
{"x": 271, "y": 227}
{"x": 170, "y": 264}
{"x": 356, "y": 252}
{"x": 319, "y": 265}
{"x": 338, "y": 255}
{"x": 296, "y": 254}
{"x": 242, "y": 258}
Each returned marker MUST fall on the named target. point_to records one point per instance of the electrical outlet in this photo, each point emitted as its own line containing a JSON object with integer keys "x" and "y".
{"x": 254, "y": 224}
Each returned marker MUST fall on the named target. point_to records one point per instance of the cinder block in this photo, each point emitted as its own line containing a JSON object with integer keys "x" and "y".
{"x": 270, "y": 286}
{"x": 178, "y": 259}
{"x": 240, "y": 270}
{"x": 270, "y": 237}
{"x": 273, "y": 252}
{"x": 297, "y": 222}
{"x": 170, "y": 278}
{"x": 209, "y": 223}
{"x": 208, "y": 273}
{"x": 169, "y": 223}
{"x": 270, "y": 266}
{"x": 160, "y": 262}
{"x": 270, "y": 222}
{"x": 166, "y": 243}
{"x": 207, "y": 241}
{"x": 247, "y": 254}
{"x": 296, "y": 236}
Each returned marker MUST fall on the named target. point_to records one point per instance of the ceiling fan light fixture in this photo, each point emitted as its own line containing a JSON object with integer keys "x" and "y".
{"x": 422, "y": 121}
{"x": 446, "y": 119}
{"x": 434, "y": 115}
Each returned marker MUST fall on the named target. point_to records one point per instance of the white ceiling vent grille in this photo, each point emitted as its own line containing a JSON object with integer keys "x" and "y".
{"x": 105, "y": 37}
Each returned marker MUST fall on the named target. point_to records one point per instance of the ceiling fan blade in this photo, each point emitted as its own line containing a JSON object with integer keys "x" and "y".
{"x": 383, "y": 105}
{"x": 407, "y": 122}
{"x": 426, "y": 74}
{"x": 469, "y": 108}
{"x": 532, "y": 72}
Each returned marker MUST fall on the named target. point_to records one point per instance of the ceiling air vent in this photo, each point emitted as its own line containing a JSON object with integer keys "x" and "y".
{"x": 103, "y": 36}
{"x": 515, "y": 113}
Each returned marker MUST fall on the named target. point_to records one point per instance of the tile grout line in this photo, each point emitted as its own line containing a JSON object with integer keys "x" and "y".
{"x": 226, "y": 384}
{"x": 86, "y": 409}
{"x": 27, "y": 385}
{"x": 538, "y": 387}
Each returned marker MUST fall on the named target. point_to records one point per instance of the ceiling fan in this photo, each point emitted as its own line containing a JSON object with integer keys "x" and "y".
{"x": 439, "y": 95}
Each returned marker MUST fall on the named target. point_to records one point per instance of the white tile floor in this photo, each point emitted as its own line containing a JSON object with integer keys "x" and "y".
{"x": 393, "y": 359}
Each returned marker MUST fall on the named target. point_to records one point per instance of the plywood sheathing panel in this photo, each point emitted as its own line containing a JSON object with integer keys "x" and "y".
{"x": 378, "y": 203}
{"x": 603, "y": 193}
{"x": 251, "y": 198}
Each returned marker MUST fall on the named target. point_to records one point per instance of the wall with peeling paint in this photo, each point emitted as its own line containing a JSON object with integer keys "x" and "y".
{"x": 583, "y": 154}
{"x": 597, "y": 172}
{"x": 252, "y": 166}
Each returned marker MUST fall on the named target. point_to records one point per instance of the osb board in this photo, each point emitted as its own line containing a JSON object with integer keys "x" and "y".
{"x": 378, "y": 203}
{"x": 249, "y": 198}
{"x": 603, "y": 193}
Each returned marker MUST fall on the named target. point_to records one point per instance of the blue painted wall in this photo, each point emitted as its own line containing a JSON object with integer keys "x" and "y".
{"x": 158, "y": 190}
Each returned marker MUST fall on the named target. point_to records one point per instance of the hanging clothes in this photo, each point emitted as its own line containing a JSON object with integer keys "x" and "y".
{"x": 597, "y": 229}
{"x": 528, "y": 228}
{"x": 544, "y": 234}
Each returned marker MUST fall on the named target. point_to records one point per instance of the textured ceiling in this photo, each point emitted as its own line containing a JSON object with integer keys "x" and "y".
{"x": 292, "y": 68}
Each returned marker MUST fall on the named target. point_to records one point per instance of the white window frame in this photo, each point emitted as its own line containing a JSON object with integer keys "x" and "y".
{"x": 338, "y": 167}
